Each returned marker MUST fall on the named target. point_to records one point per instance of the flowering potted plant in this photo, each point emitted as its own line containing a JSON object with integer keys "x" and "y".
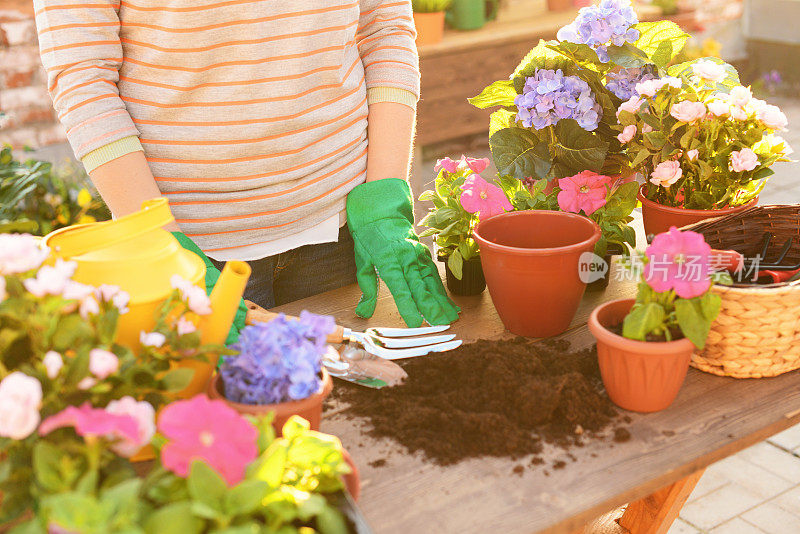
{"x": 58, "y": 354}
{"x": 278, "y": 368}
{"x": 461, "y": 198}
{"x": 429, "y": 20}
{"x": 702, "y": 140}
{"x": 644, "y": 345}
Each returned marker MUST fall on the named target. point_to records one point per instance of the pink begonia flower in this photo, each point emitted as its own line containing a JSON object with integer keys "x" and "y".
{"x": 631, "y": 105}
{"x": 194, "y": 296}
{"x": 680, "y": 261}
{"x": 89, "y": 306}
{"x": 222, "y": 438}
{"x": 692, "y": 154}
{"x": 185, "y": 326}
{"x": 476, "y": 165}
{"x": 20, "y": 400}
{"x": 737, "y": 113}
{"x": 688, "y": 111}
{"x": 3, "y": 293}
{"x": 103, "y": 363}
{"x": 649, "y": 88}
{"x": 143, "y": 413}
{"x": 51, "y": 280}
{"x": 743, "y": 160}
{"x": 646, "y": 128}
{"x": 772, "y": 117}
{"x": 20, "y": 253}
{"x": 95, "y": 422}
{"x": 627, "y": 134}
{"x": 87, "y": 383}
{"x": 53, "y": 362}
{"x": 708, "y": 70}
{"x": 114, "y": 295}
{"x": 479, "y": 196}
{"x": 447, "y": 164}
{"x": 719, "y": 108}
{"x": 76, "y": 291}
{"x": 666, "y": 173}
{"x": 152, "y": 339}
{"x": 585, "y": 191}
{"x": 740, "y": 96}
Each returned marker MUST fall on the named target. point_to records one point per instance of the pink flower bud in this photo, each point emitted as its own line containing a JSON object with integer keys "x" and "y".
{"x": 53, "y": 362}
{"x": 102, "y": 363}
{"x": 627, "y": 134}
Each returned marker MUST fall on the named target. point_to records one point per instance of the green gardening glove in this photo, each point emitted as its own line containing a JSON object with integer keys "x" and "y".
{"x": 212, "y": 275}
{"x": 381, "y": 218}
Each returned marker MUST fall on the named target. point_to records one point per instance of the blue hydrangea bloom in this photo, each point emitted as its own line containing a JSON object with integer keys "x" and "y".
{"x": 623, "y": 83}
{"x": 549, "y": 96}
{"x": 597, "y": 26}
{"x": 278, "y": 361}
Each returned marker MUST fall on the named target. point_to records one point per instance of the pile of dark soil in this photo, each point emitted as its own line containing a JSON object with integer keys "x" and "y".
{"x": 489, "y": 398}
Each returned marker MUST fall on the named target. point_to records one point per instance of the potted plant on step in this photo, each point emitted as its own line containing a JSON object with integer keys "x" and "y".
{"x": 278, "y": 368}
{"x": 461, "y": 198}
{"x": 429, "y": 20}
{"x": 644, "y": 345}
{"x": 703, "y": 142}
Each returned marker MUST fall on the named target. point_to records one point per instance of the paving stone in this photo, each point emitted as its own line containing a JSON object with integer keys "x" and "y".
{"x": 736, "y": 525}
{"x": 789, "y": 501}
{"x": 682, "y": 527}
{"x": 788, "y": 439}
{"x": 712, "y": 480}
{"x": 758, "y": 481}
{"x": 720, "y": 506}
{"x": 772, "y": 519}
{"x": 775, "y": 460}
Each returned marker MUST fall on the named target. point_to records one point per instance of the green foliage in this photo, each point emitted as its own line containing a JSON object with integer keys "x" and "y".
{"x": 660, "y": 41}
{"x": 519, "y": 152}
{"x": 430, "y": 6}
{"x": 36, "y": 199}
{"x": 684, "y": 71}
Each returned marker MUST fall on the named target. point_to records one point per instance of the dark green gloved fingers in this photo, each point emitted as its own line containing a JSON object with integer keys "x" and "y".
{"x": 212, "y": 275}
{"x": 380, "y": 216}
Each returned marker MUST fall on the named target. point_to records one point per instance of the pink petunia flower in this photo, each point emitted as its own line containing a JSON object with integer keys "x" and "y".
{"x": 483, "y": 198}
{"x": 476, "y": 165}
{"x": 447, "y": 164}
{"x": 144, "y": 415}
{"x": 222, "y": 438}
{"x": 680, "y": 261}
{"x": 585, "y": 191}
{"x": 96, "y": 422}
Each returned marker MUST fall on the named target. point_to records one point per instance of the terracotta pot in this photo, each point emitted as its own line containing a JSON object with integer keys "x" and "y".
{"x": 659, "y": 218}
{"x": 531, "y": 262}
{"x": 309, "y": 408}
{"x": 352, "y": 481}
{"x": 472, "y": 280}
{"x": 430, "y": 27}
{"x": 639, "y": 376}
{"x": 560, "y": 5}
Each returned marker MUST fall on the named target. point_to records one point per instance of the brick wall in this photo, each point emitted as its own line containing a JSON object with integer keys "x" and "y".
{"x": 30, "y": 119}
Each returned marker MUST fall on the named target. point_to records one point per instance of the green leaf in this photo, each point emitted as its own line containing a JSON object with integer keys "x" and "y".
{"x": 654, "y": 35}
{"x": 643, "y": 319}
{"x": 640, "y": 157}
{"x": 500, "y": 93}
{"x": 272, "y": 464}
{"x": 246, "y": 497}
{"x": 206, "y": 485}
{"x": 295, "y": 427}
{"x": 176, "y": 518}
{"x": 540, "y": 57}
{"x": 53, "y": 468}
{"x": 427, "y": 195}
{"x": 627, "y": 56}
{"x": 331, "y": 521}
{"x": 502, "y": 118}
{"x": 177, "y": 379}
{"x": 456, "y": 264}
{"x": 29, "y": 527}
{"x": 692, "y": 320}
{"x": 519, "y": 153}
{"x": 581, "y": 54}
{"x": 577, "y": 149}
{"x": 655, "y": 139}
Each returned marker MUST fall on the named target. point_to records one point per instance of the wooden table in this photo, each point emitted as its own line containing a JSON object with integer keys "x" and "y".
{"x": 712, "y": 418}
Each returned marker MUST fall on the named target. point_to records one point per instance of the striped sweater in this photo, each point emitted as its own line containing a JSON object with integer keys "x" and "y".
{"x": 252, "y": 114}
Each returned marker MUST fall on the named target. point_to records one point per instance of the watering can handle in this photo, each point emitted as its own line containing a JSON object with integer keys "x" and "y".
{"x": 257, "y": 314}
{"x": 154, "y": 214}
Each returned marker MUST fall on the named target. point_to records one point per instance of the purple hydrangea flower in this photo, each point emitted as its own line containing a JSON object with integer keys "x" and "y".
{"x": 549, "y": 96}
{"x": 278, "y": 361}
{"x": 597, "y": 26}
{"x": 623, "y": 83}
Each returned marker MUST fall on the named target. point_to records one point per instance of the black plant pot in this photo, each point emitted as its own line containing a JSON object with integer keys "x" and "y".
{"x": 602, "y": 283}
{"x": 472, "y": 281}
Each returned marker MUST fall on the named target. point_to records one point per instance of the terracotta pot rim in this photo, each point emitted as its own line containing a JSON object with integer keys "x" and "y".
{"x": 602, "y": 333}
{"x": 324, "y": 390}
{"x": 687, "y": 211}
{"x": 483, "y": 242}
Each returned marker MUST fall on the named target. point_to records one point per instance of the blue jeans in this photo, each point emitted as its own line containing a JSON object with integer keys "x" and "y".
{"x": 302, "y": 272}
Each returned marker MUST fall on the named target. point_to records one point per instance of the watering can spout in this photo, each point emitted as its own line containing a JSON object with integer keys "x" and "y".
{"x": 225, "y": 298}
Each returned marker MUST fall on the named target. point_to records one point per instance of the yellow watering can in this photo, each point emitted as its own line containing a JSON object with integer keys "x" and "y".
{"x": 136, "y": 254}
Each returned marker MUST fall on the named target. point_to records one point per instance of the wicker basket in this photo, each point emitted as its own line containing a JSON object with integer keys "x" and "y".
{"x": 757, "y": 333}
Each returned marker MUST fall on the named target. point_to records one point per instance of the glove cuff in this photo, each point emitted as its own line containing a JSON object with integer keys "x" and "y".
{"x": 382, "y": 199}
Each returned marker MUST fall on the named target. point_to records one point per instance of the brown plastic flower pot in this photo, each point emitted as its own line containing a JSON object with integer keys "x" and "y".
{"x": 641, "y": 376}
{"x": 531, "y": 263}
{"x": 472, "y": 281}
{"x": 659, "y": 218}
{"x": 309, "y": 408}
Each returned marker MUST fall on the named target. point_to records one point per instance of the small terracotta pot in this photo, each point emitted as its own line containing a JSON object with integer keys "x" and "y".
{"x": 531, "y": 263}
{"x": 430, "y": 27}
{"x": 639, "y": 376}
{"x": 560, "y": 5}
{"x": 659, "y": 218}
{"x": 472, "y": 280}
{"x": 309, "y": 408}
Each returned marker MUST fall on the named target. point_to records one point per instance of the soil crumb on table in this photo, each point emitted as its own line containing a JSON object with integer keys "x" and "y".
{"x": 380, "y": 462}
{"x": 489, "y": 398}
{"x": 621, "y": 435}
